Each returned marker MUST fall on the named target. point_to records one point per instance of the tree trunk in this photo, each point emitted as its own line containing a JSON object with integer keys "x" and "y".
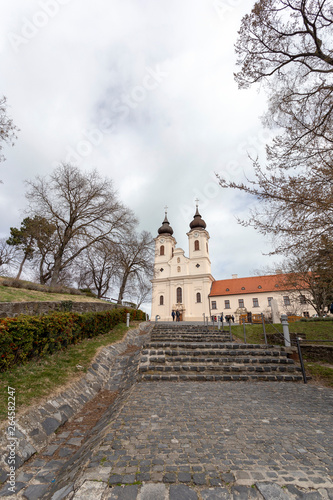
{"x": 21, "y": 266}
{"x": 122, "y": 288}
{"x": 56, "y": 270}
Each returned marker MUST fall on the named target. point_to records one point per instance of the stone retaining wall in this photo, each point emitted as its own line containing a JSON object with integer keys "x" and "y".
{"x": 318, "y": 352}
{"x": 13, "y": 309}
{"x": 108, "y": 371}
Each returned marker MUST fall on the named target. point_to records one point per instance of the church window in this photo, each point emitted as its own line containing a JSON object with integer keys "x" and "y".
{"x": 241, "y": 302}
{"x": 227, "y": 304}
{"x": 196, "y": 245}
{"x": 207, "y": 247}
{"x": 269, "y": 300}
{"x": 161, "y": 300}
{"x": 161, "y": 269}
{"x": 179, "y": 295}
{"x": 162, "y": 250}
{"x": 214, "y": 304}
{"x": 198, "y": 297}
{"x": 172, "y": 252}
{"x": 255, "y": 302}
{"x": 178, "y": 260}
{"x": 178, "y": 269}
{"x": 197, "y": 266}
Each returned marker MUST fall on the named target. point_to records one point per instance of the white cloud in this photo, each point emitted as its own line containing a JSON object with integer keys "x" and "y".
{"x": 92, "y": 64}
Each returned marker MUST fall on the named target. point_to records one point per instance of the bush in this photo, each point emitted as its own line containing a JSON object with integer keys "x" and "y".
{"x": 319, "y": 318}
{"x": 29, "y": 285}
{"x": 26, "y": 337}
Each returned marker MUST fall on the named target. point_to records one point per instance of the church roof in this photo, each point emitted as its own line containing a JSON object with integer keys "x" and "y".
{"x": 254, "y": 284}
{"x": 165, "y": 228}
{"x": 197, "y": 222}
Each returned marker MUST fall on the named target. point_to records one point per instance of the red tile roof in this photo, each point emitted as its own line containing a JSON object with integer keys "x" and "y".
{"x": 254, "y": 284}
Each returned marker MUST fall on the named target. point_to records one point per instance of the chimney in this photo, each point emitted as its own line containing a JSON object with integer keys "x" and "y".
{"x": 234, "y": 276}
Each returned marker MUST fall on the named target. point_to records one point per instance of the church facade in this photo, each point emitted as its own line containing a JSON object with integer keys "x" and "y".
{"x": 185, "y": 284}
{"x": 182, "y": 283}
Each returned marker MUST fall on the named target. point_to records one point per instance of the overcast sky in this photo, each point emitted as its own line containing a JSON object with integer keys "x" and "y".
{"x": 142, "y": 90}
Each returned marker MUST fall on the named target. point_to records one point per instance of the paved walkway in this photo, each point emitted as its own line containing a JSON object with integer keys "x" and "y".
{"x": 192, "y": 440}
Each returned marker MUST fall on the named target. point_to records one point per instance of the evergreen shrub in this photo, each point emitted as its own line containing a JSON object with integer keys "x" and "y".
{"x": 26, "y": 337}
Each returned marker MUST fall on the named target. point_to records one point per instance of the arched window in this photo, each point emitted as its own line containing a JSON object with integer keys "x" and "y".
{"x": 161, "y": 300}
{"x": 198, "y": 297}
{"x": 162, "y": 250}
{"x": 196, "y": 244}
{"x": 179, "y": 295}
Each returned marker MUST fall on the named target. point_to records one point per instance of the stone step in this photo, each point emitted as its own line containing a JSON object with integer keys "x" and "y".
{"x": 217, "y": 351}
{"x": 212, "y": 347}
{"x": 218, "y": 359}
{"x": 179, "y": 354}
{"x": 221, "y": 368}
{"x": 220, "y": 378}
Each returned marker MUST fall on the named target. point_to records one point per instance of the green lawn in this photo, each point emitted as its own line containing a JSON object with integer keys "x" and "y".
{"x": 9, "y": 294}
{"x": 316, "y": 330}
{"x": 39, "y": 379}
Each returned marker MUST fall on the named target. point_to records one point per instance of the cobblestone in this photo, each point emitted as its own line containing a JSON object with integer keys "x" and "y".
{"x": 195, "y": 441}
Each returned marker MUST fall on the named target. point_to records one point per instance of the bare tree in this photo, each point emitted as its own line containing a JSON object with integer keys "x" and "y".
{"x": 309, "y": 277}
{"x": 140, "y": 289}
{"x": 287, "y": 46}
{"x": 135, "y": 259}
{"x": 98, "y": 267}
{"x": 7, "y": 128}
{"x": 84, "y": 209}
{"x": 7, "y": 254}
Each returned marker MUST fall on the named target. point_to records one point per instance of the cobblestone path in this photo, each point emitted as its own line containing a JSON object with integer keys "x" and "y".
{"x": 208, "y": 441}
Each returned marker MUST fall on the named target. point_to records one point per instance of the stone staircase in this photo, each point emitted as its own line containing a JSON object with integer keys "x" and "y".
{"x": 180, "y": 352}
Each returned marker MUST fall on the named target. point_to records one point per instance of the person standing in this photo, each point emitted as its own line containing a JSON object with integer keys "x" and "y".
{"x": 178, "y": 315}
{"x": 173, "y": 314}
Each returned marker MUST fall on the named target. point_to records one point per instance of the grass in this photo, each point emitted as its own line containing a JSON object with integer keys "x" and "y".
{"x": 320, "y": 372}
{"x": 39, "y": 379}
{"x": 9, "y": 294}
{"x": 320, "y": 330}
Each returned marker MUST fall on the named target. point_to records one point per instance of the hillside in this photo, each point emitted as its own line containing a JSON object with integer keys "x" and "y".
{"x": 40, "y": 293}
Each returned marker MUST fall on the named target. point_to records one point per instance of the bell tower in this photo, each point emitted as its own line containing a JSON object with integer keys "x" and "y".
{"x": 198, "y": 238}
{"x": 165, "y": 243}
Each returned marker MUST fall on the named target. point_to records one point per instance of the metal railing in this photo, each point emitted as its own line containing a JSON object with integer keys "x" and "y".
{"x": 298, "y": 341}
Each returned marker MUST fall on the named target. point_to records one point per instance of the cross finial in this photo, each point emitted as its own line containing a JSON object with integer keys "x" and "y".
{"x": 166, "y": 209}
{"x": 196, "y": 202}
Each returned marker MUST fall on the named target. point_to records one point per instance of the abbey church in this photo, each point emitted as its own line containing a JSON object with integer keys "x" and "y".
{"x": 185, "y": 284}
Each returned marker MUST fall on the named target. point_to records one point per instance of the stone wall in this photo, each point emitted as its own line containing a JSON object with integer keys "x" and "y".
{"x": 13, "y": 309}
{"x": 318, "y": 352}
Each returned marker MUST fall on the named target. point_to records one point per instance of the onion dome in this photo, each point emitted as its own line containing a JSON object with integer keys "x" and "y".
{"x": 197, "y": 222}
{"x": 165, "y": 228}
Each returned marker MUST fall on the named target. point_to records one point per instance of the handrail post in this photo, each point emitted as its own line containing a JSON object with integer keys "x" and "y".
{"x": 285, "y": 326}
{"x": 244, "y": 330}
{"x": 264, "y": 326}
{"x": 301, "y": 360}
